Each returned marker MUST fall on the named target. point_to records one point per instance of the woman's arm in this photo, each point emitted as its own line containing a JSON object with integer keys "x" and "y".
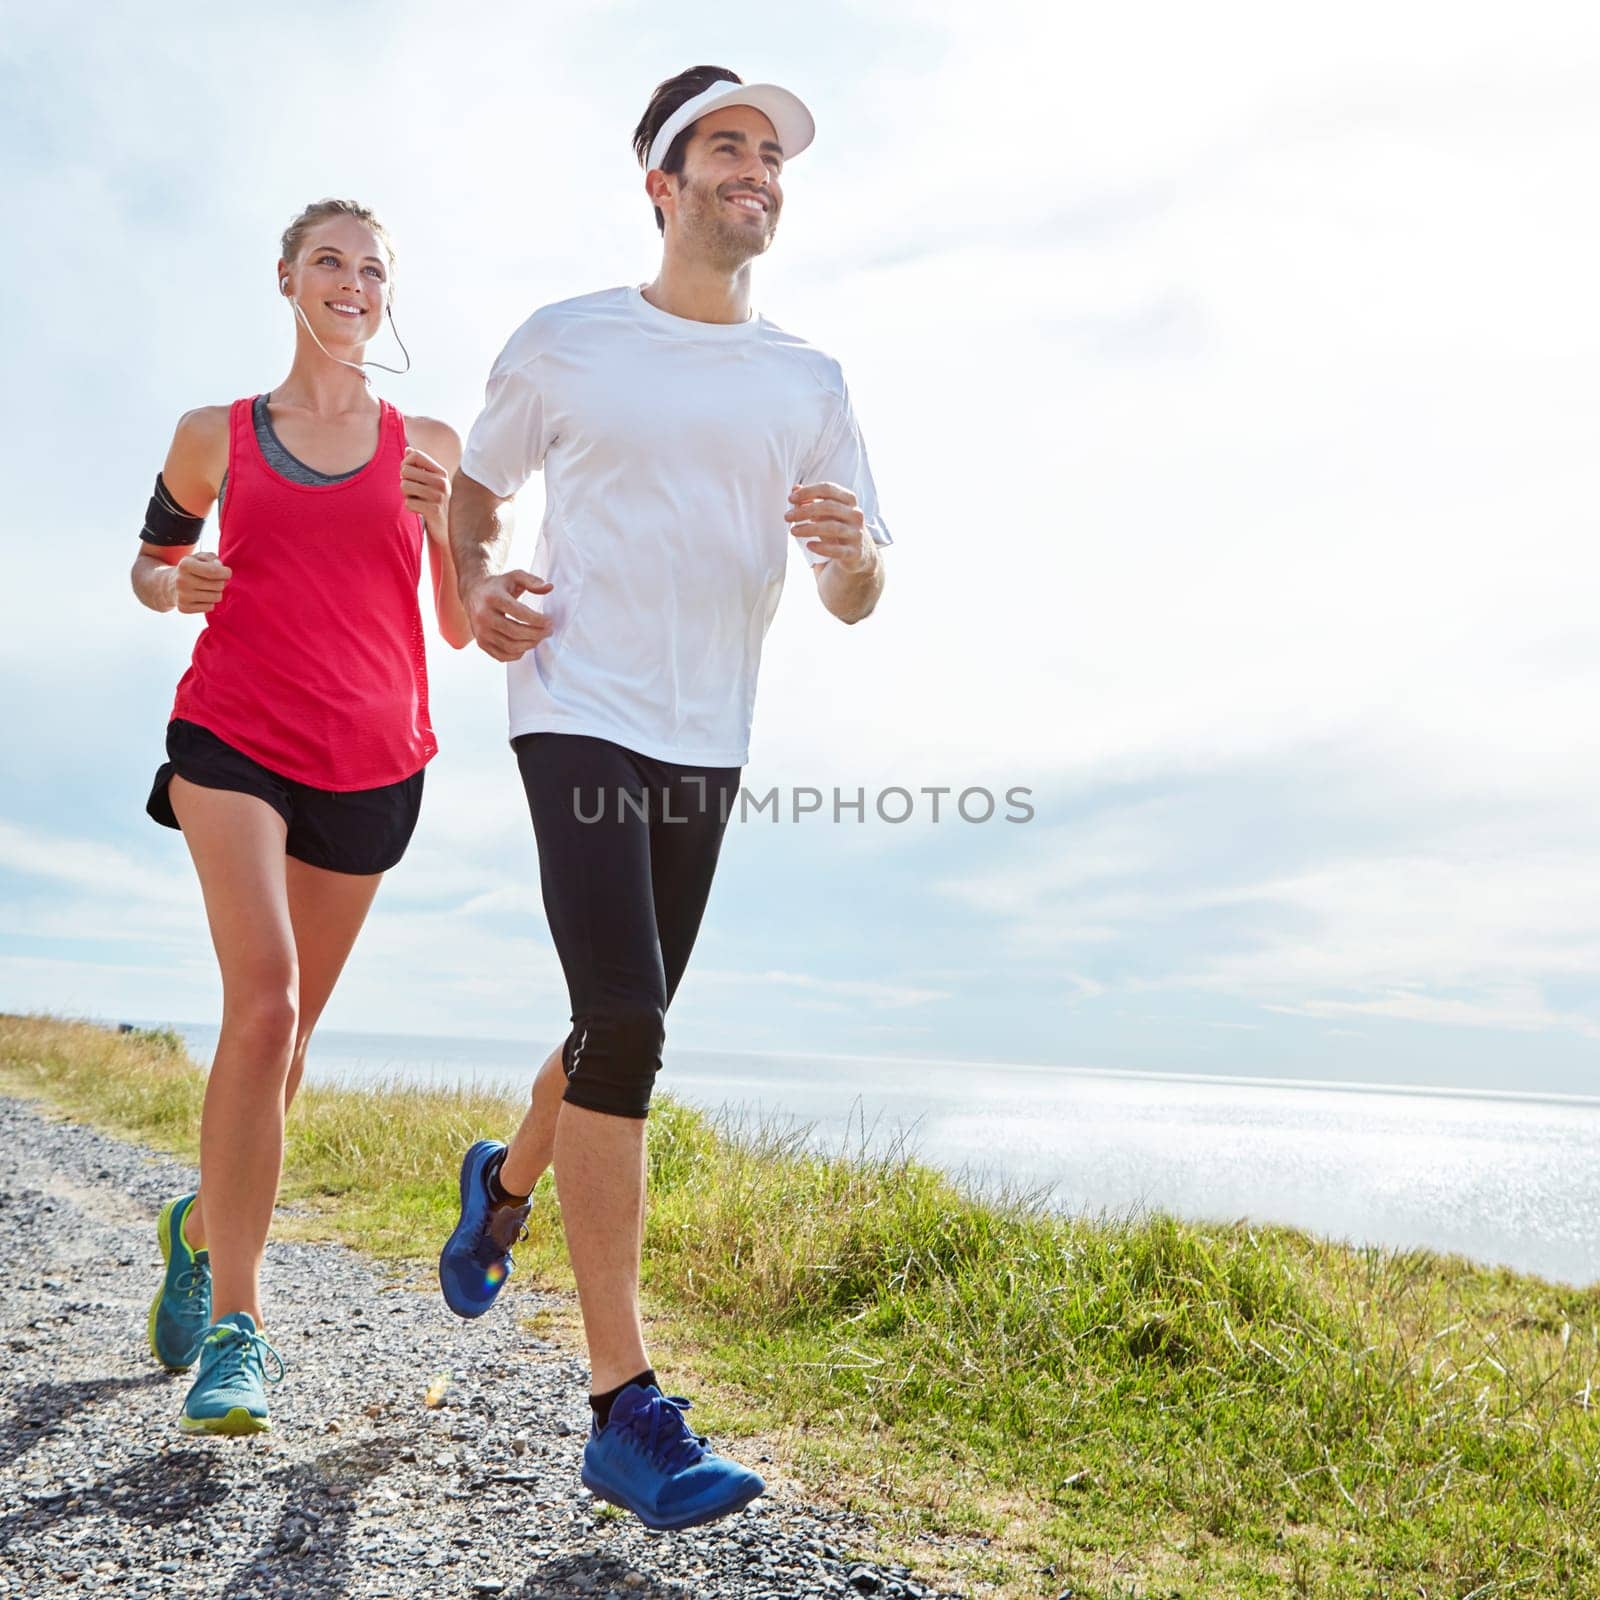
{"x": 166, "y": 575}
{"x": 432, "y": 456}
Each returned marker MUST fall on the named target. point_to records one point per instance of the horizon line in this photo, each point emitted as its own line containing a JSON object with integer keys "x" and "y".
{"x": 1150, "y": 1074}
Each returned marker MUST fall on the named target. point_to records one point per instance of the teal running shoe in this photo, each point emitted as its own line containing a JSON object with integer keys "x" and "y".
{"x": 230, "y": 1390}
{"x": 181, "y": 1310}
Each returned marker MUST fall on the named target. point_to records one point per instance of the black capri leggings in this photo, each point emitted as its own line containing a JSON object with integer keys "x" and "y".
{"x": 628, "y": 846}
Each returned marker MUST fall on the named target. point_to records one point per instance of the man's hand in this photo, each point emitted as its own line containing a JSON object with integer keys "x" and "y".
{"x": 827, "y": 518}
{"x": 505, "y": 630}
{"x": 200, "y": 578}
{"x": 426, "y": 487}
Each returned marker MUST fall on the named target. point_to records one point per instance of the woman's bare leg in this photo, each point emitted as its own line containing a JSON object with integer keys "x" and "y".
{"x": 237, "y": 844}
{"x": 326, "y": 912}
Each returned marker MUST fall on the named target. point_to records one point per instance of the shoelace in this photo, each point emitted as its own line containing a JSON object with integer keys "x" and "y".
{"x": 192, "y": 1280}
{"x": 503, "y": 1227}
{"x": 660, "y": 1428}
{"x": 239, "y": 1351}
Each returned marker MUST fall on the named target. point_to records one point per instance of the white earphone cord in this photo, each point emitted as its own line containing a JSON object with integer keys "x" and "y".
{"x": 356, "y": 366}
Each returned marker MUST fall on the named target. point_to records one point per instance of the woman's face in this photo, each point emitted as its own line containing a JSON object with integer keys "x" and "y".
{"x": 340, "y": 281}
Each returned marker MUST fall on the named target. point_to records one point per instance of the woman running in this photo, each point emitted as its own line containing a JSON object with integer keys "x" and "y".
{"x": 296, "y": 747}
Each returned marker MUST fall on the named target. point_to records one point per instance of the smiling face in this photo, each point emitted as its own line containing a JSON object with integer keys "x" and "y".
{"x": 341, "y": 280}
{"x": 727, "y": 200}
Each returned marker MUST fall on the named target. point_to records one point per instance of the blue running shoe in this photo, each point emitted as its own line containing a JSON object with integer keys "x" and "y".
{"x": 181, "y": 1310}
{"x": 649, "y": 1461}
{"x": 476, "y": 1259}
{"x": 230, "y": 1390}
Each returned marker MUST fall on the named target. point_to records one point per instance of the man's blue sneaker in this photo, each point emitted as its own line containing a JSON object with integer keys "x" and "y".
{"x": 230, "y": 1390}
{"x": 181, "y": 1310}
{"x": 476, "y": 1258}
{"x": 649, "y": 1461}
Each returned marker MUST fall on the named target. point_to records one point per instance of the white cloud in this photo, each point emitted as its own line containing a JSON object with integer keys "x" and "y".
{"x": 1521, "y": 1010}
{"x": 84, "y": 864}
{"x": 1451, "y": 920}
{"x": 1450, "y": 917}
{"x": 885, "y": 996}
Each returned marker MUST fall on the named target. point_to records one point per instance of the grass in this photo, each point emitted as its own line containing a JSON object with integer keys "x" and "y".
{"x": 1031, "y": 1404}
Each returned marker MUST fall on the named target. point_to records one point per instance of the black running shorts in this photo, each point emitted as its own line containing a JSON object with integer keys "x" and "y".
{"x": 359, "y": 831}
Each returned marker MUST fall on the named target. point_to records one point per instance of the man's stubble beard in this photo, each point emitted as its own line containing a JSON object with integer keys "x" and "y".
{"x": 724, "y": 244}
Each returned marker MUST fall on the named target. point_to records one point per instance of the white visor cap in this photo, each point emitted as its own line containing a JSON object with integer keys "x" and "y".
{"x": 786, "y": 112}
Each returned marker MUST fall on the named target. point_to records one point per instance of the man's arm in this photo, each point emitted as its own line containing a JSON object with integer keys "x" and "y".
{"x": 826, "y": 517}
{"x": 850, "y": 596}
{"x": 478, "y": 538}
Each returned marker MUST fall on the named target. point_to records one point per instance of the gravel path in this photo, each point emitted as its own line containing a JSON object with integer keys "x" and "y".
{"x": 359, "y": 1490}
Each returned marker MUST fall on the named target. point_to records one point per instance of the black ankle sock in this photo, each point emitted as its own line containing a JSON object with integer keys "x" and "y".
{"x": 499, "y": 1195}
{"x": 601, "y": 1403}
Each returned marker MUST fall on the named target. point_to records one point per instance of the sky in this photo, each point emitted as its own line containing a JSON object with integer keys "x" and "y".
{"x": 1228, "y": 376}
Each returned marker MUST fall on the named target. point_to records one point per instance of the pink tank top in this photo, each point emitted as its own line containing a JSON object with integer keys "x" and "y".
{"x": 313, "y": 663}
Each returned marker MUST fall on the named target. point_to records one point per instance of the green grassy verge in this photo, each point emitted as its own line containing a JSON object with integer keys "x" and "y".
{"x": 1130, "y": 1410}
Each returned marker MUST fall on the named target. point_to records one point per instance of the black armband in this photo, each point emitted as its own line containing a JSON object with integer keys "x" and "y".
{"x": 166, "y": 522}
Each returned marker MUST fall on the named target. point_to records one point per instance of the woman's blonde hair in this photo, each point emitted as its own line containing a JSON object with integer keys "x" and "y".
{"x": 294, "y": 236}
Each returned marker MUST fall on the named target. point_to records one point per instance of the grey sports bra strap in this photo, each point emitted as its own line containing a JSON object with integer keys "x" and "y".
{"x": 278, "y": 458}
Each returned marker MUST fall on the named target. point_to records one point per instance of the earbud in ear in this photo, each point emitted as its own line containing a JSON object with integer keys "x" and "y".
{"x": 283, "y": 286}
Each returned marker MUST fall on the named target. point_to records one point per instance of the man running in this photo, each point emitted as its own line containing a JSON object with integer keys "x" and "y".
{"x": 684, "y": 441}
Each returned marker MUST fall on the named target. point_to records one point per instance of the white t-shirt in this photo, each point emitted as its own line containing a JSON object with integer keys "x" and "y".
{"x": 669, "y": 448}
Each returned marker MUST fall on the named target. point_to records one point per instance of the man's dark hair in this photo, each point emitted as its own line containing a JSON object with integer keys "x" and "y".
{"x": 669, "y": 95}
